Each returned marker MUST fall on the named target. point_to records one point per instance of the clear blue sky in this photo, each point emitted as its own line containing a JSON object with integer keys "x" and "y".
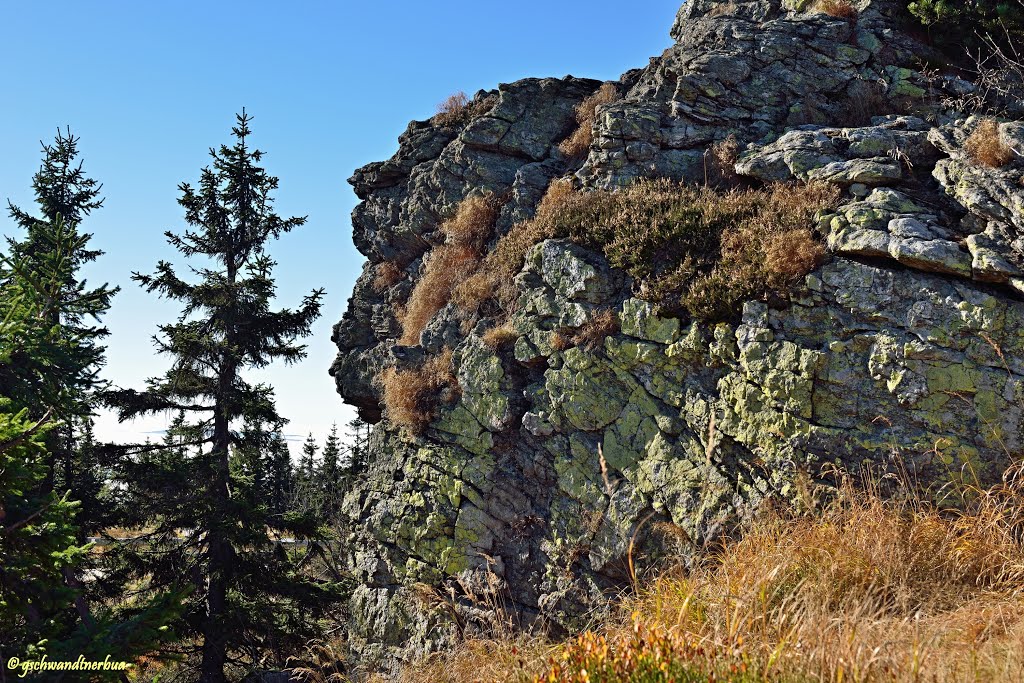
{"x": 151, "y": 86}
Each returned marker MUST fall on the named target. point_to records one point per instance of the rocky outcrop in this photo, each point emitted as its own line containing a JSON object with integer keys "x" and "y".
{"x": 522, "y": 498}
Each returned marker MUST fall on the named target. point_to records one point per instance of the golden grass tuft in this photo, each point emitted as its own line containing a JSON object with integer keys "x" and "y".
{"x": 457, "y": 109}
{"x": 387, "y": 274}
{"x": 411, "y": 396}
{"x": 841, "y": 9}
{"x": 499, "y": 337}
{"x": 443, "y": 268}
{"x": 985, "y": 147}
{"x": 473, "y": 222}
{"x": 496, "y": 272}
{"x": 577, "y": 144}
{"x": 450, "y": 264}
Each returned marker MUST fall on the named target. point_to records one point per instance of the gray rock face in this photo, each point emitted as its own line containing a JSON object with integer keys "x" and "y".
{"x": 520, "y": 498}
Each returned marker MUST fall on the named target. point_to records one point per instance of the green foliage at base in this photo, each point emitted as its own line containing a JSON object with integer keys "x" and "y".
{"x": 958, "y": 25}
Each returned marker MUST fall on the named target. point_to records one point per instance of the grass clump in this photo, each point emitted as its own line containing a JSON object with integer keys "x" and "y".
{"x": 411, "y": 396}
{"x": 387, "y": 274}
{"x": 499, "y": 337}
{"x": 495, "y": 276}
{"x": 985, "y": 146}
{"x": 449, "y": 264}
{"x": 457, "y": 109}
{"x": 577, "y": 144}
{"x": 840, "y": 9}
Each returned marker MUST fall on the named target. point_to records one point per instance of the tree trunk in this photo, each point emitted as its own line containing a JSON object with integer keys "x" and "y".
{"x": 215, "y": 633}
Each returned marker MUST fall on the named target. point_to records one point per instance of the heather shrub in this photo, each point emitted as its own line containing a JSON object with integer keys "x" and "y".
{"x": 578, "y": 143}
{"x": 985, "y": 147}
{"x": 590, "y": 334}
{"x": 698, "y": 251}
{"x": 693, "y": 250}
{"x": 411, "y": 396}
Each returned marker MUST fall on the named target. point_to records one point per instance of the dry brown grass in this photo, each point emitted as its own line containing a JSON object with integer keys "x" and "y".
{"x": 411, "y": 396}
{"x": 985, "y": 146}
{"x": 443, "y": 268}
{"x": 841, "y": 9}
{"x": 450, "y": 264}
{"x": 473, "y": 222}
{"x": 387, "y": 274}
{"x": 577, "y": 144}
{"x": 721, "y": 161}
{"x": 590, "y": 335}
{"x": 499, "y": 337}
{"x": 480, "y": 661}
{"x": 496, "y": 272}
{"x": 863, "y": 589}
{"x": 457, "y": 109}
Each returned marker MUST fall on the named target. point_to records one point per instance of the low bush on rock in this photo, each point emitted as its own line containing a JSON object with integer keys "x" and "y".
{"x": 693, "y": 250}
{"x": 457, "y": 109}
{"x": 841, "y": 9}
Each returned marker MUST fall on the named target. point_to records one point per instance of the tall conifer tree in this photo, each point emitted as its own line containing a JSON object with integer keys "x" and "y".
{"x": 54, "y": 249}
{"x": 248, "y": 595}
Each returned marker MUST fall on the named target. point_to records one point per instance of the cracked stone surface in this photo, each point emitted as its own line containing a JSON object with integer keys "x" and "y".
{"x": 526, "y": 489}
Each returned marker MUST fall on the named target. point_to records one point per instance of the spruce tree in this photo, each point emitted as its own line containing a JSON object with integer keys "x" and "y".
{"x": 330, "y": 475}
{"x": 248, "y": 596}
{"x": 307, "y": 498}
{"x": 54, "y": 250}
{"x": 43, "y": 609}
{"x": 281, "y": 481}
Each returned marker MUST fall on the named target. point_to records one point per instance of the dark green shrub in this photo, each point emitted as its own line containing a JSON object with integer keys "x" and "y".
{"x": 974, "y": 25}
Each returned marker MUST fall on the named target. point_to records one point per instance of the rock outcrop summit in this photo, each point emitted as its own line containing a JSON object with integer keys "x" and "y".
{"x": 542, "y": 464}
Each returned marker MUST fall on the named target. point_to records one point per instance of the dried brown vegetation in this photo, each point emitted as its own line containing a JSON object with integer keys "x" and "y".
{"x": 985, "y": 146}
{"x": 720, "y": 161}
{"x": 473, "y": 222}
{"x": 578, "y": 143}
{"x": 499, "y": 337}
{"x": 443, "y": 268}
{"x": 449, "y": 264}
{"x": 841, "y": 9}
{"x": 590, "y": 334}
{"x": 458, "y": 109}
{"x": 411, "y": 396}
{"x": 386, "y": 274}
{"x": 864, "y": 588}
{"x": 692, "y": 249}
{"x": 496, "y": 273}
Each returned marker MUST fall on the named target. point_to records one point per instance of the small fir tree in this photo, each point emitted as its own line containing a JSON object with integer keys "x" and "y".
{"x": 249, "y": 598}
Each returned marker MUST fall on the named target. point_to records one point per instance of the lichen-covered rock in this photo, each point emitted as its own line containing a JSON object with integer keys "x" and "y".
{"x": 571, "y": 438}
